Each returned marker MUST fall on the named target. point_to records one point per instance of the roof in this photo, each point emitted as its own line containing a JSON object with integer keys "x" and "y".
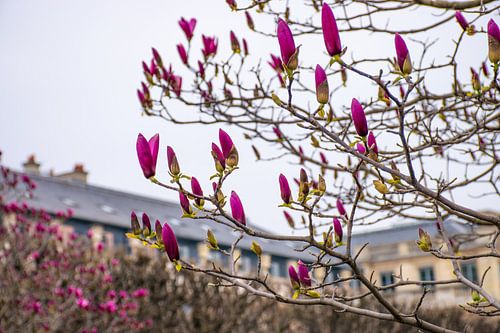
{"x": 111, "y": 207}
{"x": 407, "y": 231}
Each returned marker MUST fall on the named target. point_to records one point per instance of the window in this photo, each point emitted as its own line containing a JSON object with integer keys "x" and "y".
{"x": 427, "y": 274}
{"x": 218, "y": 258}
{"x": 354, "y": 284}
{"x": 185, "y": 251}
{"x": 276, "y": 269}
{"x": 469, "y": 270}
{"x": 245, "y": 264}
{"x": 386, "y": 278}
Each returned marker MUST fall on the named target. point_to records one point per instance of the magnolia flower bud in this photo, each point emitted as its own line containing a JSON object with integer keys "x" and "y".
{"x": 147, "y": 152}
{"x": 255, "y": 248}
{"x": 286, "y": 193}
{"x": 185, "y": 205}
{"x": 330, "y": 31}
{"x": 294, "y": 277}
{"x": 337, "y": 229}
{"x": 361, "y": 148}
{"x": 182, "y": 53}
{"x": 228, "y": 149}
{"x": 341, "y": 209}
{"x": 424, "y": 243}
{"x": 146, "y": 224}
{"x": 303, "y": 185}
{"x": 249, "y": 19}
{"x": 220, "y": 162}
{"x": 134, "y": 222}
{"x": 235, "y": 44}
{"x": 403, "y": 56}
{"x": 237, "y": 210}
{"x": 171, "y": 246}
{"x": 476, "y": 84}
{"x": 372, "y": 143}
{"x": 359, "y": 118}
{"x": 322, "y": 91}
{"x": 289, "y": 53}
{"x": 321, "y": 185}
{"x": 196, "y": 189}
{"x": 173, "y": 164}
{"x": 211, "y": 240}
{"x": 188, "y": 27}
{"x": 219, "y": 196}
{"x": 158, "y": 231}
{"x": 289, "y": 219}
{"x": 461, "y": 20}
{"x": 304, "y": 277}
{"x": 493, "y": 42}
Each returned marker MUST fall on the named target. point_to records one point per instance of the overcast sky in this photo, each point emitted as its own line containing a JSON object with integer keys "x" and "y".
{"x": 68, "y": 74}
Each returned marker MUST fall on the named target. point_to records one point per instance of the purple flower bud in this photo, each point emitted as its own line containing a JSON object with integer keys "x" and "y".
{"x": 182, "y": 53}
{"x": 134, "y": 222}
{"x": 220, "y": 162}
{"x": 476, "y": 83}
{"x": 196, "y": 189}
{"x": 341, "y": 209}
{"x": 276, "y": 63}
{"x": 187, "y": 27}
{"x": 228, "y": 149}
{"x": 156, "y": 56}
{"x": 323, "y": 158}
{"x": 286, "y": 193}
{"x": 493, "y": 41}
{"x": 304, "y": 277}
{"x": 201, "y": 69}
{"x": 330, "y": 31}
{"x": 294, "y": 277}
{"x": 237, "y": 208}
{"x": 484, "y": 69}
{"x": 185, "y": 205}
{"x": 146, "y": 223}
{"x": 209, "y": 46}
{"x": 146, "y": 69}
{"x": 173, "y": 164}
{"x": 461, "y": 20}
{"x": 232, "y": 4}
{"x": 359, "y": 118}
{"x": 158, "y": 230}
{"x": 403, "y": 56}
{"x": 145, "y": 90}
{"x": 278, "y": 133}
{"x": 147, "y": 152}
{"x": 322, "y": 90}
{"x": 337, "y": 229}
{"x": 235, "y": 44}
{"x": 141, "y": 97}
{"x": 249, "y": 19}
{"x": 245, "y": 47}
{"x": 289, "y": 219}
{"x": 361, "y": 148}
{"x": 171, "y": 246}
{"x": 225, "y": 142}
{"x": 289, "y": 53}
{"x": 372, "y": 144}
{"x": 176, "y": 84}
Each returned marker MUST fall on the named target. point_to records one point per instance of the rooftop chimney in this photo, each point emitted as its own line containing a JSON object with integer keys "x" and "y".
{"x": 31, "y": 165}
{"x": 78, "y": 174}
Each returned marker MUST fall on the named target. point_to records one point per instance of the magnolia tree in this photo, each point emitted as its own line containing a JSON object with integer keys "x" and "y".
{"x": 55, "y": 281}
{"x": 402, "y": 153}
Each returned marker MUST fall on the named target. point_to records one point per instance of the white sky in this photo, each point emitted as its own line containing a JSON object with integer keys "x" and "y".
{"x": 69, "y": 70}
